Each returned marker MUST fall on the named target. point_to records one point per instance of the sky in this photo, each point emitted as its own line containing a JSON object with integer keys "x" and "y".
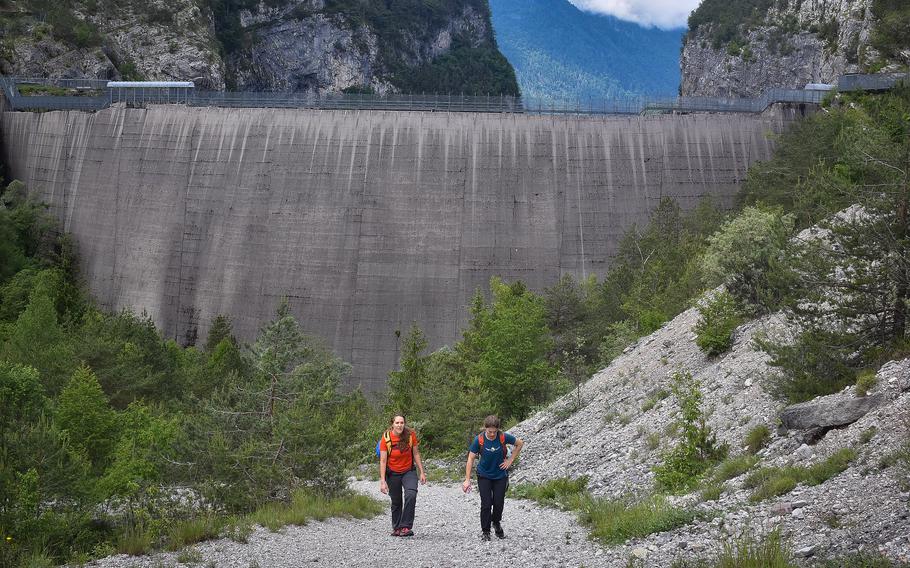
{"x": 664, "y": 14}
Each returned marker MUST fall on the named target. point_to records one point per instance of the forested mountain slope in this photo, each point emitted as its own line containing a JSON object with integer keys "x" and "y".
{"x": 562, "y": 53}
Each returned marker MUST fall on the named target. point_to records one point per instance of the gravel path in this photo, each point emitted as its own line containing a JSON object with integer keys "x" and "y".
{"x": 447, "y": 531}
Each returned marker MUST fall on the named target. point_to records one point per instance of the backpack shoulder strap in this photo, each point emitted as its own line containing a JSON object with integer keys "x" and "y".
{"x": 502, "y": 442}
{"x": 387, "y": 438}
{"x": 480, "y": 438}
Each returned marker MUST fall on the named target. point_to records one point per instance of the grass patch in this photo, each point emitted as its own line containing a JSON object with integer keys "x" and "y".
{"x": 867, "y": 435}
{"x": 862, "y": 560}
{"x": 237, "y": 529}
{"x": 712, "y": 491}
{"x": 652, "y": 441}
{"x": 612, "y": 521}
{"x": 189, "y": 556}
{"x": 747, "y": 552}
{"x": 191, "y": 531}
{"x": 135, "y": 541}
{"x": 562, "y": 492}
{"x": 775, "y": 481}
{"x": 32, "y": 90}
{"x": 865, "y": 382}
{"x": 733, "y": 467}
{"x": 616, "y": 521}
{"x": 441, "y": 473}
{"x": 306, "y": 506}
{"x": 757, "y": 438}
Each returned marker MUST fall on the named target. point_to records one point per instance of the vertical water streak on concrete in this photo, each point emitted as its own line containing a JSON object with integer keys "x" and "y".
{"x": 605, "y": 141}
{"x": 580, "y": 151}
{"x": 78, "y": 149}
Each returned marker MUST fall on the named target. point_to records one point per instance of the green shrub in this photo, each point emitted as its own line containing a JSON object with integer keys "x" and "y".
{"x": 714, "y": 330}
{"x": 757, "y": 438}
{"x": 745, "y": 253}
{"x": 818, "y": 363}
{"x": 865, "y": 382}
{"x": 890, "y": 34}
{"x": 698, "y": 450}
{"x": 616, "y": 521}
{"x": 866, "y": 436}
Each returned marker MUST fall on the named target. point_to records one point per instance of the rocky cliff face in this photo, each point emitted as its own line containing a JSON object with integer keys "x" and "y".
{"x": 792, "y": 43}
{"x": 315, "y": 46}
{"x": 308, "y": 47}
{"x": 172, "y": 41}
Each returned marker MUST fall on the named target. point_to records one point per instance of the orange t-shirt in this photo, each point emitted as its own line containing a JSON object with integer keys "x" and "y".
{"x": 400, "y": 461}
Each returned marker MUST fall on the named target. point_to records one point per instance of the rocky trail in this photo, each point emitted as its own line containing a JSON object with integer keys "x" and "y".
{"x": 447, "y": 533}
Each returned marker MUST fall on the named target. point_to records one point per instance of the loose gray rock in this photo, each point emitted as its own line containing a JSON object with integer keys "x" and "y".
{"x": 829, "y": 412}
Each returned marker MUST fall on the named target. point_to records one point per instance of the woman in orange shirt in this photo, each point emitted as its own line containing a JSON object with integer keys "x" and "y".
{"x": 398, "y": 457}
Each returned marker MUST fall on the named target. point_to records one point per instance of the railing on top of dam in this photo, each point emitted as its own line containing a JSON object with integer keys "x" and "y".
{"x": 93, "y": 94}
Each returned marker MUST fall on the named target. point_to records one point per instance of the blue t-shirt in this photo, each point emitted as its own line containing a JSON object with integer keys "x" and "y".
{"x": 488, "y": 466}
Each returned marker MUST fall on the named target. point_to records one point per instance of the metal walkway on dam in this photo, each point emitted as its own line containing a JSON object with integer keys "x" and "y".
{"x": 97, "y": 94}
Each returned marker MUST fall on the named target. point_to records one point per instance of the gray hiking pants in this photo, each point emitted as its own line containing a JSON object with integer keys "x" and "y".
{"x": 402, "y": 509}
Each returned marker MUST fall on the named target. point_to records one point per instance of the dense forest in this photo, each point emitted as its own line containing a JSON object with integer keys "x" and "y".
{"x": 115, "y": 439}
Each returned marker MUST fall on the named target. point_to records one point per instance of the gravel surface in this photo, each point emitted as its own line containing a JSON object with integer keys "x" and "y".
{"x": 447, "y": 531}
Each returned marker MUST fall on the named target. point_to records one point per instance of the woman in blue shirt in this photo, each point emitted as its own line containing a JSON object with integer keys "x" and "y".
{"x": 492, "y": 473}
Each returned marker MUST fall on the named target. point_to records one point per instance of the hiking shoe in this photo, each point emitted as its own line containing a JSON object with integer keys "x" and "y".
{"x": 405, "y": 531}
{"x": 497, "y": 528}
{"x": 485, "y": 536}
{"x": 396, "y": 532}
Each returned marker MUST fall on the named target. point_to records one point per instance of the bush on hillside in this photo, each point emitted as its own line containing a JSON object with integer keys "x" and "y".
{"x": 745, "y": 255}
{"x": 714, "y": 330}
{"x": 698, "y": 449}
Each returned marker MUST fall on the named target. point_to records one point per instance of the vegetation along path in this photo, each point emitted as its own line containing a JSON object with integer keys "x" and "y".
{"x": 447, "y": 531}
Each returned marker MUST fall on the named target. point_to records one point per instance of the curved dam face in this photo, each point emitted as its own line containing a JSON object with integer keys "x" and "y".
{"x": 364, "y": 220}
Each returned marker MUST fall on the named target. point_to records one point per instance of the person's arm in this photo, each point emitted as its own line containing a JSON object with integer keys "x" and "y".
{"x": 467, "y": 472}
{"x": 507, "y": 463}
{"x": 383, "y": 460}
{"x": 423, "y": 475}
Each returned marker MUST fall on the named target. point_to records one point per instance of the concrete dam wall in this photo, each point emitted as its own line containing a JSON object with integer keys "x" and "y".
{"x": 365, "y": 221}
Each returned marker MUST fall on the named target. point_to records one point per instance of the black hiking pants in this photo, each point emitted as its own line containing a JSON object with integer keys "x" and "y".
{"x": 492, "y": 499}
{"x": 403, "y": 491}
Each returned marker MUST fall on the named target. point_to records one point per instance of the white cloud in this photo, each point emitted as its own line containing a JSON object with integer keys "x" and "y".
{"x": 661, "y": 13}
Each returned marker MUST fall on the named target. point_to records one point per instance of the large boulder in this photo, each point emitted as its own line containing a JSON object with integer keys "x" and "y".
{"x": 829, "y": 412}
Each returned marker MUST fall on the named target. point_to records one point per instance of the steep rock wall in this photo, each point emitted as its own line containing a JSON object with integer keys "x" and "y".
{"x": 366, "y": 221}
{"x": 796, "y": 42}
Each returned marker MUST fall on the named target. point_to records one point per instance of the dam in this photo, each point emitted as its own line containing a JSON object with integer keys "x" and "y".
{"x": 365, "y": 221}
